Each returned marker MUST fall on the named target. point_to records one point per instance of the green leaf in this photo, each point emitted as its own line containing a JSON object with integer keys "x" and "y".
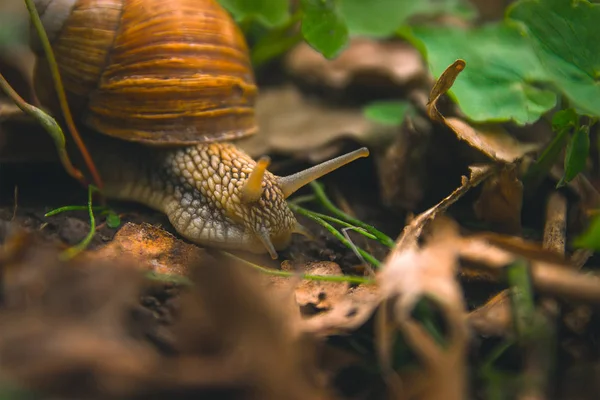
{"x": 113, "y": 220}
{"x": 565, "y": 35}
{"x": 323, "y": 27}
{"x": 381, "y": 18}
{"x": 387, "y": 112}
{"x": 270, "y": 13}
{"x": 376, "y": 18}
{"x": 565, "y": 119}
{"x": 498, "y": 83}
{"x": 590, "y": 239}
{"x": 578, "y": 149}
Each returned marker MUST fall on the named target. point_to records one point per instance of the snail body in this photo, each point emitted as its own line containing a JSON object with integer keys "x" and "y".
{"x": 167, "y": 87}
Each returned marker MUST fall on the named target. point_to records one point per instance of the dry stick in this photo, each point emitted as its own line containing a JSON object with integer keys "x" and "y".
{"x": 49, "y": 124}
{"x": 62, "y": 99}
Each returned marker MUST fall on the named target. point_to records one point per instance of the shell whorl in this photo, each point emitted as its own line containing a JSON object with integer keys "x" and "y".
{"x": 161, "y": 72}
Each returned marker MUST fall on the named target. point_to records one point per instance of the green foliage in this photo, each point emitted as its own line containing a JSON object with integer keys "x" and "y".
{"x": 270, "y": 13}
{"x": 112, "y": 219}
{"x": 323, "y": 27}
{"x": 380, "y": 18}
{"x": 578, "y": 149}
{"x": 327, "y": 25}
{"x": 564, "y": 120}
{"x": 499, "y": 84}
{"x": 590, "y": 239}
{"x": 565, "y": 36}
{"x": 387, "y": 112}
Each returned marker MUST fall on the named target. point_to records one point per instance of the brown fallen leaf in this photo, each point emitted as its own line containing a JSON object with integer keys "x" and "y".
{"x": 66, "y": 319}
{"x": 374, "y": 61}
{"x": 501, "y": 201}
{"x": 409, "y": 274}
{"x": 347, "y": 315}
{"x": 320, "y": 296}
{"x": 494, "y": 318}
{"x": 492, "y": 140}
{"x": 413, "y": 231}
{"x": 293, "y": 124}
{"x": 550, "y": 274}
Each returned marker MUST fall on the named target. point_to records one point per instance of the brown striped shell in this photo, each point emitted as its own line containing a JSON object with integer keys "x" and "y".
{"x": 154, "y": 71}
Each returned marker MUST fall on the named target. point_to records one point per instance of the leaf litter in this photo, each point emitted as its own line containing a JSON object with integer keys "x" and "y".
{"x": 227, "y": 330}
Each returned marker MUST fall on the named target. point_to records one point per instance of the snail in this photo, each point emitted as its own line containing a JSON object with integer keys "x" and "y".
{"x": 166, "y": 88}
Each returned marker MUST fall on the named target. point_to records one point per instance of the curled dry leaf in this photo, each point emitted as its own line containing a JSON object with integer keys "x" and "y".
{"x": 494, "y": 318}
{"x": 491, "y": 140}
{"x": 430, "y": 271}
{"x": 501, "y": 201}
{"x": 364, "y": 59}
{"x": 292, "y": 124}
{"x": 412, "y": 232}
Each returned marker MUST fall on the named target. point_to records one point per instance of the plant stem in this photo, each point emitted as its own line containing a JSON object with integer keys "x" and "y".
{"x": 324, "y": 200}
{"x": 541, "y": 167}
{"x": 73, "y": 208}
{"x": 323, "y": 278}
{"x": 521, "y": 298}
{"x": 49, "y": 124}
{"x": 73, "y": 251}
{"x": 369, "y": 258}
{"x": 62, "y": 98}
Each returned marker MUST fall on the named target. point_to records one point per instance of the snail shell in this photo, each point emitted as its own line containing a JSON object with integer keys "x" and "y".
{"x": 160, "y": 72}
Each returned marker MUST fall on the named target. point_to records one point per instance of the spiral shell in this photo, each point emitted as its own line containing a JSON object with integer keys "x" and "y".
{"x": 162, "y": 72}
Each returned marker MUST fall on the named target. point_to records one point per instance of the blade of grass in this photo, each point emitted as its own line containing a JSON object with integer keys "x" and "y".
{"x": 323, "y": 278}
{"x": 78, "y": 248}
{"x": 74, "y": 208}
{"x": 324, "y": 200}
{"x": 62, "y": 98}
{"x": 307, "y": 213}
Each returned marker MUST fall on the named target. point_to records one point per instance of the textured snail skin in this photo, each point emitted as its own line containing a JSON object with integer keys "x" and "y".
{"x": 199, "y": 189}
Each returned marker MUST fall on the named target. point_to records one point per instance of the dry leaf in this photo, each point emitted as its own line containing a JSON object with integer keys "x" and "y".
{"x": 321, "y": 295}
{"x": 494, "y": 318}
{"x": 364, "y": 59}
{"x": 501, "y": 201}
{"x": 410, "y": 274}
{"x": 550, "y": 274}
{"x": 64, "y": 320}
{"x": 412, "y": 232}
{"x": 347, "y": 315}
{"x": 292, "y": 124}
{"x": 491, "y": 140}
